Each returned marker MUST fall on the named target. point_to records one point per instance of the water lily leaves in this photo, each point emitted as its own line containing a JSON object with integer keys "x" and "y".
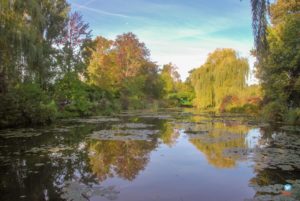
{"x": 276, "y": 192}
{"x": 284, "y": 153}
{"x": 94, "y": 120}
{"x": 156, "y": 116}
{"x": 237, "y": 152}
{"x": 123, "y": 135}
{"x": 76, "y": 191}
{"x": 48, "y": 149}
{"x": 133, "y": 126}
{"x": 291, "y": 128}
{"x": 20, "y": 133}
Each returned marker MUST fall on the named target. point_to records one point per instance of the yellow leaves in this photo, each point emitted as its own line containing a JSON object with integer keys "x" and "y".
{"x": 223, "y": 74}
{"x": 102, "y": 70}
{"x": 283, "y": 8}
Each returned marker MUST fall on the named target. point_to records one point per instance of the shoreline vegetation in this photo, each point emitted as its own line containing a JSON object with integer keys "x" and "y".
{"x": 52, "y": 68}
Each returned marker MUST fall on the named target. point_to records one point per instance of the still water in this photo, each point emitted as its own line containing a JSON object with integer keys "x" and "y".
{"x": 168, "y": 155}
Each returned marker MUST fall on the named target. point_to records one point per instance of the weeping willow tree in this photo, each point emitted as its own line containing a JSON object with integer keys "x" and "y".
{"x": 28, "y": 30}
{"x": 223, "y": 74}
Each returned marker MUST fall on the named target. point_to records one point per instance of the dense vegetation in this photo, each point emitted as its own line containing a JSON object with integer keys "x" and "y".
{"x": 51, "y": 67}
{"x": 221, "y": 83}
{"x": 278, "y": 58}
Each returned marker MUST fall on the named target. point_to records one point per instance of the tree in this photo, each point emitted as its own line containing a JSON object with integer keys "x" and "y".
{"x": 259, "y": 24}
{"x": 170, "y": 77}
{"x": 123, "y": 68}
{"x": 74, "y": 35}
{"x": 280, "y": 68}
{"x": 102, "y": 69}
{"x": 130, "y": 54}
{"x": 223, "y": 74}
{"x": 28, "y": 30}
{"x": 153, "y": 87}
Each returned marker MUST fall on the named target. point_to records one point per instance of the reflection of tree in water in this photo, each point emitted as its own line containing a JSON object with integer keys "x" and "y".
{"x": 169, "y": 134}
{"x": 41, "y": 175}
{"x": 119, "y": 158}
{"x": 219, "y": 138}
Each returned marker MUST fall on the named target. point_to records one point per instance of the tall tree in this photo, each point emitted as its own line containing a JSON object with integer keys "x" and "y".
{"x": 130, "y": 54}
{"x": 74, "y": 35}
{"x": 170, "y": 77}
{"x": 28, "y": 30}
{"x": 279, "y": 70}
{"x": 223, "y": 74}
{"x": 102, "y": 69}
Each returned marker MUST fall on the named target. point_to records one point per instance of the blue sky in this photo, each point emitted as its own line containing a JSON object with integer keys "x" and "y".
{"x": 179, "y": 31}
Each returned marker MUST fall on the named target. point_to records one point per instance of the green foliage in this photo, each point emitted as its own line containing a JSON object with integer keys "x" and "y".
{"x": 27, "y": 38}
{"x": 51, "y": 68}
{"x": 102, "y": 101}
{"x": 170, "y": 78}
{"x": 122, "y": 67}
{"x": 292, "y": 116}
{"x": 26, "y": 104}
{"x": 185, "y": 94}
{"x": 224, "y": 74}
{"x": 275, "y": 111}
{"x": 76, "y": 98}
{"x": 175, "y": 92}
{"x": 71, "y": 96}
{"x": 279, "y": 70}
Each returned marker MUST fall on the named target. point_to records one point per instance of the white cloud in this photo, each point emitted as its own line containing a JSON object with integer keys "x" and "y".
{"x": 99, "y": 11}
{"x": 183, "y": 35}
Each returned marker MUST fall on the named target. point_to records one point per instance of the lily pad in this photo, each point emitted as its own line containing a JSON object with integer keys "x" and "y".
{"x": 275, "y": 192}
{"x": 156, "y": 116}
{"x": 291, "y": 128}
{"x": 20, "y": 133}
{"x": 76, "y": 191}
{"x": 48, "y": 149}
{"x": 123, "y": 135}
{"x": 94, "y": 120}
{"x": 133, "y": 125}
{"x": 237, "y": 152}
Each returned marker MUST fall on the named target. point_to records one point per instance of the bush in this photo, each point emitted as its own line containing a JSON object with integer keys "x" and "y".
{"x": 247, "y": 108}
{"x": 26, "y": 104}
{"x": 292, "y": 116}
{"x": 274, "y": 111}
{"x": 71, "y": 96}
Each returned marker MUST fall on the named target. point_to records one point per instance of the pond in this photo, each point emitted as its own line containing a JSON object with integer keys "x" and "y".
{"x": 167, "y": 155}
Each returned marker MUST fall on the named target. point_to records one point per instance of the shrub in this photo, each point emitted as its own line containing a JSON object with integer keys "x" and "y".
{"x": 292, "y": 116}
{"x": 274, "y": 111}
{"x": 71, "y": 96}
{"x": 26, "y": 104}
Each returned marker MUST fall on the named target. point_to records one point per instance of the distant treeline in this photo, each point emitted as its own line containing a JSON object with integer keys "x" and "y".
{"x": 51, "y": 68}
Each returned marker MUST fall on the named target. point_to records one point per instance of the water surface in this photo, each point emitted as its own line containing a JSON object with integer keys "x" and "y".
{"x": 167, "y": 155}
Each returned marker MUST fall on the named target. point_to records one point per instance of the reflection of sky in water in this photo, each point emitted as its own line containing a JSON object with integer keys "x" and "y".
{"x": 252, "y": 138}
{"x": 181, "y": 172}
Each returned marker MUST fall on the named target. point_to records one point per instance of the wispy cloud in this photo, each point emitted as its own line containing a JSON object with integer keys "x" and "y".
{"x": 99, "y": 11}
{"x": 181, "y": 32}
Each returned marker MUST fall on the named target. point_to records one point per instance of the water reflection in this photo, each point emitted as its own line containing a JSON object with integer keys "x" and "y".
{"x": 169, "y": 134}
{"x": 189, "y": 157}
{"x": 124, "y": 159}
